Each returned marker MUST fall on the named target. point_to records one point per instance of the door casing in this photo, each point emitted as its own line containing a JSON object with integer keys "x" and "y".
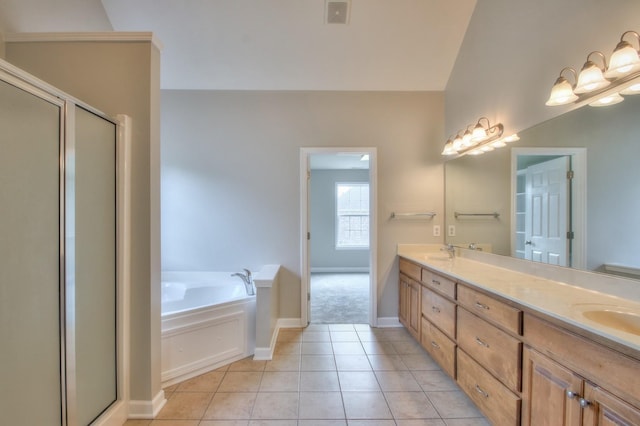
{"x": 305, "y": 268}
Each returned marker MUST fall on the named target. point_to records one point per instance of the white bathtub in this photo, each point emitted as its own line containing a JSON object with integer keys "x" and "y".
{"x": 207, "y": 321}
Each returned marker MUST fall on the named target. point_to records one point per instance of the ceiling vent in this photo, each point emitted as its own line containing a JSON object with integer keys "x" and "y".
{"x": 337, "y": 11}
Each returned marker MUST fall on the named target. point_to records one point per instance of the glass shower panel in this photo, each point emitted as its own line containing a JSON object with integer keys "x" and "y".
{"x": 30, "y": 361}
{"x": 95, "y": 265}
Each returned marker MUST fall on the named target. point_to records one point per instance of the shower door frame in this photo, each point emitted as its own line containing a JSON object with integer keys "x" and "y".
{"x": 116, "y": 412}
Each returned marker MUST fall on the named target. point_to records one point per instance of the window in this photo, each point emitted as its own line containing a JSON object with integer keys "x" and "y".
{"x": 352, "y": 209}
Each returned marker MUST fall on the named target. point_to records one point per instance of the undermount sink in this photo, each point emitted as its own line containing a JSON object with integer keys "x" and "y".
{"x": 628, "y": 322}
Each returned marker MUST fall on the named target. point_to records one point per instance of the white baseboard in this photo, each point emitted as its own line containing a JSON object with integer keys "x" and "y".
{"x": 266, "y": 353}
{"x": 147, "y": 409}
{"x": 384, "y": 322}
{"x": 290, "y": 323}
{"x": 340, "y": 269}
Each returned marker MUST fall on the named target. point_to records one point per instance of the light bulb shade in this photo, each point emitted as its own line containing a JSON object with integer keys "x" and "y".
{"x": 467, "y": 141}
{"x": 499, "y": 143}
{"x": 479, "y": 133}
{"x": 448, "y": 148}
{"x": 513, "y": 138}
{"x": 625, "y": 60}
{"x": 590, "y": 79}
{"x": 631, "y": 90}
{"x": 457, "y": 143}
{"x": 607, "y": 100}
{"x": 561, "y": 93}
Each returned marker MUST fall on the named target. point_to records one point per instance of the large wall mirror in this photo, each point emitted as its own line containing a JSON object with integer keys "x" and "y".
{"x": 567, "y": 193}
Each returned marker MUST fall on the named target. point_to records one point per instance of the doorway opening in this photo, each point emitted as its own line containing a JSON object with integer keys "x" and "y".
{"x": 338, "y": 232}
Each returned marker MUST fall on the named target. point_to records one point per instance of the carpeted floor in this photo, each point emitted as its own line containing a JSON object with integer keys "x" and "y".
{"x": 339, "y": 298}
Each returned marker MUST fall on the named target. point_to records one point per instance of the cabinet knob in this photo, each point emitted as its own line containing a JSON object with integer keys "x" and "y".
{"x": 571, "y": 395}
{"x": 435, "y": 309}
{"x": 528, "y": 243}
{"x": 435, "y": 345}
{"x": 436, "y": 282}
{"x": 584, "y": 402}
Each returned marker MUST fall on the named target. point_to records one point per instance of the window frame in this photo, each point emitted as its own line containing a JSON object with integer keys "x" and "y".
{"x": 337, "y": 216}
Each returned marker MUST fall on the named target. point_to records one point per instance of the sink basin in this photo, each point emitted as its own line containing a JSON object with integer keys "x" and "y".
{"x": 624, "y": 321}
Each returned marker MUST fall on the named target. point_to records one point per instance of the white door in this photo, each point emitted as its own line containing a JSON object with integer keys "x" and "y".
{"x": 547, "y": 212}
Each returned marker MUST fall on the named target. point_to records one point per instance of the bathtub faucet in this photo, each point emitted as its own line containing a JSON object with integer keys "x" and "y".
{"x": 247, "y": 279}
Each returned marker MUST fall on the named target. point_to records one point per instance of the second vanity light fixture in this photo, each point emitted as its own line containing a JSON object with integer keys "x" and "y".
{"x": 603, "y": 83}
{"x": 482, "y": 138}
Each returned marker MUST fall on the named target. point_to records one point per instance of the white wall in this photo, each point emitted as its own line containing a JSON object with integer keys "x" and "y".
{"x": 322, "y": 206}
{"x": 514, "y": 50}
{"x": 230, "y": 178}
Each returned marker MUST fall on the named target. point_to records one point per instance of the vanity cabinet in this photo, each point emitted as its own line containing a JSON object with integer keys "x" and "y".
{"x": 409, "y": 298}
{"x": 439, "y": 319}
{"x": 516, "y": 366}
{"x": 499, "y": 404}
{"x": 498, "y": 352}
{"x": 595, "y": 386}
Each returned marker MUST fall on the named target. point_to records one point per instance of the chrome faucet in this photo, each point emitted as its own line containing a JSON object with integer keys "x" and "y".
{"x": 451, "y": 249}
{"x": 247, "y": 279}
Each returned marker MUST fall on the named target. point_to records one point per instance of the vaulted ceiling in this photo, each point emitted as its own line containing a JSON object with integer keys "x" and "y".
{"x": 397, "y": 45}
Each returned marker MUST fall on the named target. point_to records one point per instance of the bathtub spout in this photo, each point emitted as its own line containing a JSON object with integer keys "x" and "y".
{"x": 247, "y": 279}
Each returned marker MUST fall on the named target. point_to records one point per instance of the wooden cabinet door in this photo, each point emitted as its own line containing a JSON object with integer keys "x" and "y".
{"x": 603, "y": 409}
{"x": 414, "y": 309}
{"x": 403, "y": 300}
{"x": 546, "y": 400}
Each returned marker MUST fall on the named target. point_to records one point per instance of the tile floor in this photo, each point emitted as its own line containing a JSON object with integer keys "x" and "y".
{"x": 324, "y": 375}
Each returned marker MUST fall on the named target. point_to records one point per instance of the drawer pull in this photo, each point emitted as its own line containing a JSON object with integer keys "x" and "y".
{"x": 435, "y": 345}
{"x": 481, "y": 392}
{"x": 435, "y": 309}
{"x": 436, "y": 282}
{"x": 481, "y": 306}
{"x": 481, "y": 343}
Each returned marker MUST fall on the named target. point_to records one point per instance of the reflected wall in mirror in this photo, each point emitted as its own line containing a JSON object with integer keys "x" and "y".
{"x": 607, "y": 239}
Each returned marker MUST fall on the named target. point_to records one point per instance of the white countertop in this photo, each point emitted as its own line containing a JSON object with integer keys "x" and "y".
{"x": 556, "y": 299}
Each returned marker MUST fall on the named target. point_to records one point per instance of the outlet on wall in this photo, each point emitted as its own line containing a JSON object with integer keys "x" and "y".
{"x": 451, "y": 231}
{"x": 436, "y": 230}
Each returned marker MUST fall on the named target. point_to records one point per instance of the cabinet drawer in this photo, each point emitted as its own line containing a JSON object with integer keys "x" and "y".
{"x": 499, "y": 404}
{"x": 439, "y": 311}
{"x": 485, "y": 306}
{"x": 495, "y": 350}
{"x": 410, "y": 269}
{"x": 439, "y": 346}
{"x": 439, "y": 283}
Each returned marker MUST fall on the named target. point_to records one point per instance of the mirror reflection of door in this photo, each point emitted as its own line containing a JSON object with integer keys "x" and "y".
{"x": 547, "y": 207}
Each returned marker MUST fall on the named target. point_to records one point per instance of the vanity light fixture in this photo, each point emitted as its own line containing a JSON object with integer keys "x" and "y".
{"x": 483, "y": 138}
{"x": 601, "y": 85}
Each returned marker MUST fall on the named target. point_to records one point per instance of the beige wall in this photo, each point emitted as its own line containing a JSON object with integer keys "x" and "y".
{"x": 514, "y": 50}
{"x": 120, "y": 78}
{"x": 230, "y": 176}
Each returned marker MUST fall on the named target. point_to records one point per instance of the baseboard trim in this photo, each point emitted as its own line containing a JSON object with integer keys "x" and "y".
{"x": 340, "y": 269}
{"x": 386, "y": 322}
{"x": 147, "y": 409}
{"x": 290, "y": 323}
{"x": 266, "y": 353}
